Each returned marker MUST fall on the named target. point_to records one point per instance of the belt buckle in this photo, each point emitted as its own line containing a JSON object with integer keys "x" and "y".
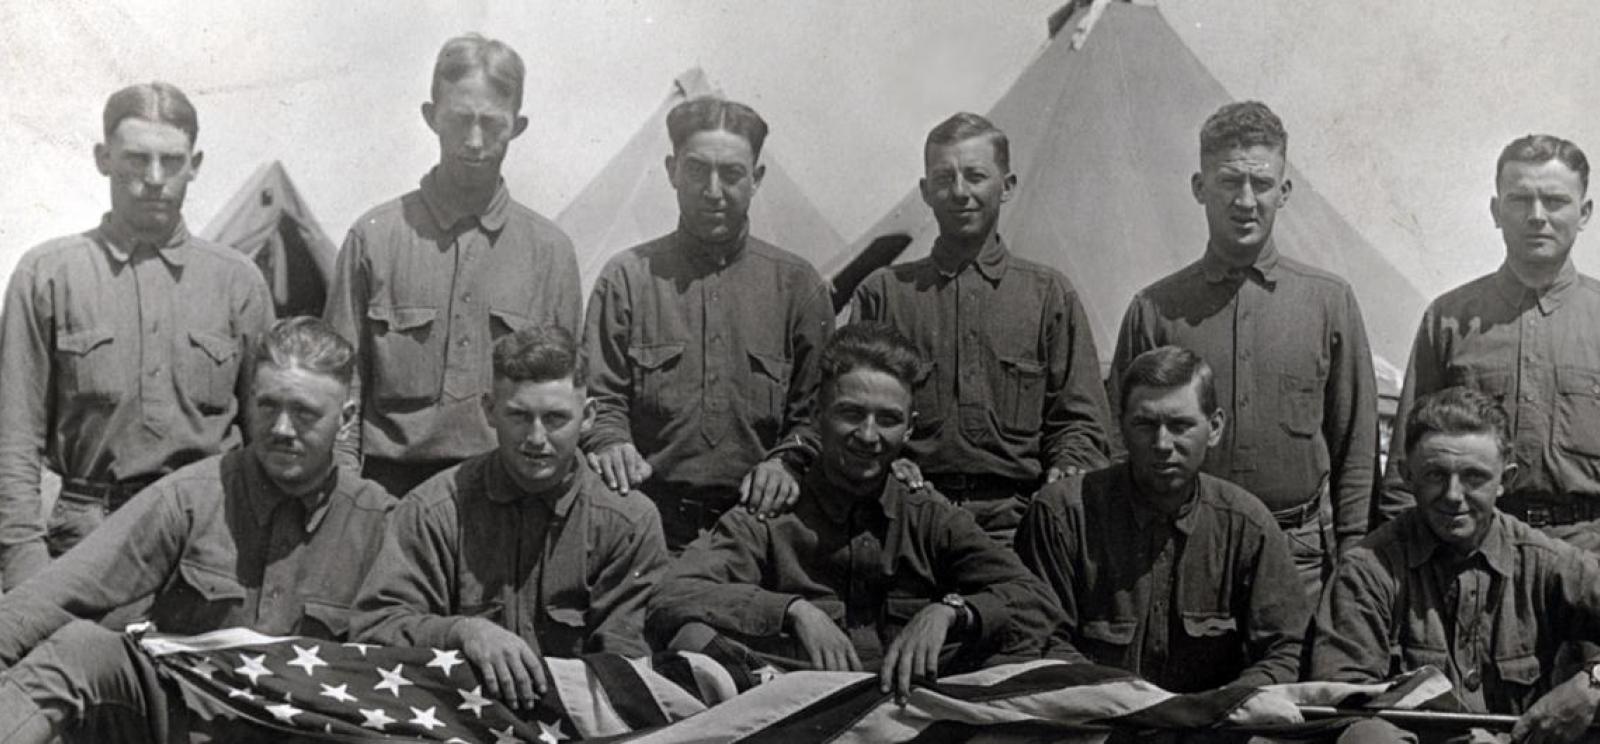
{"x": 1538, "y": 516}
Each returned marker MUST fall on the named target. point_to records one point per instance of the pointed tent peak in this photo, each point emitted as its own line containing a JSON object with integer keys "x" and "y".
{"x": 694, "y": 83}
{"x": 268, "y": 222}
{"x": 1086, "y": 13}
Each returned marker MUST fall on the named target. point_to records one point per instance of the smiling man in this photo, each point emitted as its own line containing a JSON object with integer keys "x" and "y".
{"x": 1173, "y": 574}
{"x": 1293, "y": 368}
{"x": 272, "y": 537}
{"x": 1526, "y": 336}
{"x": 121, "y": 348}
{"x": 1457, "y": 584}
{"x": 427, "y": 282}
{"x": 865, "y": 573}
{"x": 521, "y": 552}
{"x": 705, "y": 340}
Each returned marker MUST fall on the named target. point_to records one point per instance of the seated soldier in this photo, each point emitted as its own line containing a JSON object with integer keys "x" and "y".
{"x": 1178, "y": 576}
{"x": 272, "y": 537}
{"x": 1456, "y": 584}
{"x": 864, "y": 573}
{"x": 523, "y": 551}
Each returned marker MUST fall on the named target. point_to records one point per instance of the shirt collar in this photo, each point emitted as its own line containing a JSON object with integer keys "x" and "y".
{"x": 837, "y": 504}
{"x": 1547, "y": 300}
{"x": 265, "y": 496}
{"x": 710, "y": 255}
{"x": 447, "y": 214}
{"x": 991, "y": 261}
{"x": 503, "y": 489}
{"x": 1264, "y": 269}
{"x": 1421, "y": 545}
{"x": 121, "y": 244}
{"x": 1145, "y": 515}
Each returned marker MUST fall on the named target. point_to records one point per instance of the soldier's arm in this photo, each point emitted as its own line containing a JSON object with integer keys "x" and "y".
{"x": 26, "y": 395}
{"x": 1350, "y": 423}
{"x": 1077, "y": 418}
{"x": 346, "y": 311}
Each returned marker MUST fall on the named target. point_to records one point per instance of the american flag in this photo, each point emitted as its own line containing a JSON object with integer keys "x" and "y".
{"x": 358, "y": 692}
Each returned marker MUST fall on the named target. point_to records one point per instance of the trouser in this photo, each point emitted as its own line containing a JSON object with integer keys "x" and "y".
{"x": 82, "y": 506}
{"x": 1312, "y": 544}
{"x": 399, "y": 477}
{"x": 686, "y": 513}
{"x": 87, "y": 684}
{"x": 996, "y": 503}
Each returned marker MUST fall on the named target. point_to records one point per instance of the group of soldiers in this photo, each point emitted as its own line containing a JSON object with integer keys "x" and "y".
{"x": 700, "y": 461}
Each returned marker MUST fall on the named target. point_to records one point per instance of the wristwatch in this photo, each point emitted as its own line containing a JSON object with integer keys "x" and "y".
{"x": 963, "y": 611}
{"x": 1593, "y": 670}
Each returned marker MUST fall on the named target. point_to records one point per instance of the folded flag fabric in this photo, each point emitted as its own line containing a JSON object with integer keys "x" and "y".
{"x": 358, "y": 692}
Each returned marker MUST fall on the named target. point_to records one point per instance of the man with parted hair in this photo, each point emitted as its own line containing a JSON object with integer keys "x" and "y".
{"x": 427, "y": 282}
{"x": 1171, "y": 573}
{"x": 1456, "y": 583}
{"x": 1293, "y": 367}
{"x": 1010, "y": 398}
{"x": 521, "y": 552}
{"x": 705, "y": 341}
{"x": 273, "y": 537}
{"x": 1525, "y": 335}
{"x": 865, "y": 573}
{"x": 121, "y": 348}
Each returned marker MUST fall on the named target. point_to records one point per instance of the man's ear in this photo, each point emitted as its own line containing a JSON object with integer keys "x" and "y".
{"x": 519, "y": 126}
{"x": 1219, "y": 422}
{"x": 756, "y": 175}
{"x": 194, "y": 163}
{"x": 1507, "y": 476}
{"x": 1584, "y": 212}
{"x": 671, "y": 163}
{"x": 1494, "y": 210}
{"x": 102, "y": 158}
{"x": 348, "y": 413}
{"x": 1197, "y": 185}
{"x": 590, "y": 411}
{"x": 1285, "y": 188}
{"x": 1008, "y": 187}
{"x": 427, "y": 116}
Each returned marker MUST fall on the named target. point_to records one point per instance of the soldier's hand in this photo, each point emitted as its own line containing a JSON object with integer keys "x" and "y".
{"x": 511, "y": 672}
{"x": 770, "y": 488}
{"x": 829, "y": 648}
{"x": 915, "y": 652}
{"x": 1562, "y": 715}
{"x": 620, "y": 466}
{"x": 908, "y": 473}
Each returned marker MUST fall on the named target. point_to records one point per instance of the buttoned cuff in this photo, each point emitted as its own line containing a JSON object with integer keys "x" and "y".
{"x": 600, "y": 438}
{"x": 795, "y": 451}
{"x": 989, "y": 618}
{"x": 766, "y": 614}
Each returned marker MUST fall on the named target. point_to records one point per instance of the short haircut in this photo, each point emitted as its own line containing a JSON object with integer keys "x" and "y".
{"x": 875, "y": 346}
{"x": 464, "y": 55}
{"x": 309, "y": 343}
{"x": 157, "y": 102}
{"x": 540, "y": 354}
{"x": 964, "y": 126}
{"x": 1543, "y": 148}
{"x": 1455, "y": 411}
{"x": 1169, "y": 367}
{"x": 1243, "y": 124}
{"x": 713, "y": 114}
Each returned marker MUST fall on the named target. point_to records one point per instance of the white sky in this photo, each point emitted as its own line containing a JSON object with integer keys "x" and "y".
{"x": 1395, "y": 110}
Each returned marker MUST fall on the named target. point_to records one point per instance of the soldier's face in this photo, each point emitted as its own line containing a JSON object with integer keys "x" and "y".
{"x": 1168, "y": 434}
{"x": 150, "y": 165}
{"x": 964, "y": 185}
{"x": 475, "y": 124}
{"x": 716, "y": 176}
{"x": 1540, "y": 208}
{"x": 865, "y": 418}
{"x": 294, "y": 417}
{"x": 537, "y": 425}
{"x": 1241, "y": 189}
{"x": 1457, "y": 478}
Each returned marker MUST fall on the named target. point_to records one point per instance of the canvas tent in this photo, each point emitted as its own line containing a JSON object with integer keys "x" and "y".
{"x": 269, "y": 222}
{"x": 630, "y": 201}
{"x": 1104, "y": 138}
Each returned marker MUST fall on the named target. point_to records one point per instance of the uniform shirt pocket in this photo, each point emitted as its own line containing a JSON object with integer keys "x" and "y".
{"x": 1021, "y": 401}
{"x": 1578, "y": 410}
{"x": 88, "y": 364}
{"x": 1301, "y": 398}
{"x": 1520, "y": 682}
{"x": 926, "y": 399}
{"x": 325, "y": 620}
{"x": 199, "y": 599}
{"x": 657, "y": 369}
{"x": 565, "y": 634}
{"x": 504, "y": 322}
{"x": 768, "y": 393}
{"x": 210, "y": 370}
{"x": 407, "y": 355}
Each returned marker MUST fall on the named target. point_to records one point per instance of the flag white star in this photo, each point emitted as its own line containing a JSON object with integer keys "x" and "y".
{"x": 425, "y": 718}
{"x": 456, "y": 740}
{"x": 339, "y": 693}
{"x": 550, "y": 733}
{"x": 505, "y": 737}
{"x": 205, "y": 668}
{"x": 473, "y": 700}
{"x": 445, "y": 660}
{"x": 362, "y": 647}
{"x": 240, "y": 692}
{"x": 284, "y": 712}
{"x": 392, "y": 681}
{"x": 376, "y": 719}
{"x": 308, "y": 659}
{"x": 255, "y": 667}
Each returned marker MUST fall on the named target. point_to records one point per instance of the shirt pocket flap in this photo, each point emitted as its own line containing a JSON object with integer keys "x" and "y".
{"x": 1577, "y": 381}
{"x": 1023, "y": 366}
{"x": 772, "y": 366}
{"x": 402, "y": 318}
{"x": 513, "y": 320}
{"x": 83, "y": 342}
{"x": 654, "y": 356}
{"x": 335, "y": 617}
{"x": 219, "y": 348}
{"x": 214, "y": 585}
{"x": 1117, "y": 632}
{"x": 1208, "y": 624}
{"x": 568, "y": 616}
{"x": 1520, "y": 670}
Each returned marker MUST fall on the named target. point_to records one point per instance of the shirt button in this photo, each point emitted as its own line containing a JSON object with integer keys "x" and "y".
{"x": 466, "y": 342}
{"x": 1472, "y": 680}
{"x": 1528, "y": 397}
{"x": 466, "y": 297}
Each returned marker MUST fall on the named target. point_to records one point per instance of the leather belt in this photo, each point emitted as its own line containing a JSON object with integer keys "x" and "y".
{"x": 702, "y": 514}
{"x": 1298, "y": 516}
{"x": 110, "y": 494}
{"x": 1550, "y": 510}
{"x": 965, "y": 487}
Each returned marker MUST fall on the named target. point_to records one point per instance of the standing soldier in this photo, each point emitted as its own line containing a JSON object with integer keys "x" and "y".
{"x": 1525, "y": 335}
{"x": 1293, "y": 369}
{"x": 427, "y": 282}
{"x": 121, "y": 348}
{"x": 704, "y": 342}
{"x": 1011, "y": 397}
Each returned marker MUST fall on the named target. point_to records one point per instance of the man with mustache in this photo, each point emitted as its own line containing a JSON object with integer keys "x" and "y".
{"x": 272, "y": 537}
{"x": 1525, "y": 335}
{"x": 1011, "y": 397}
{"x": 523, "y": 551}
{"x": 427, "y": 282}
{"x": 121, "y": 348}
{"x": 1293, "y": 368}
{"x": 1171, "y": 573}
{"x": 705, "y": 341}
